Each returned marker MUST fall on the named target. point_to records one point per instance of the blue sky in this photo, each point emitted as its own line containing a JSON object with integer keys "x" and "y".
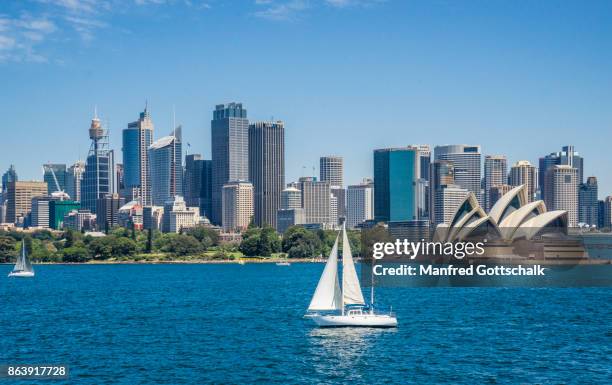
{"x": 521, "y": 78}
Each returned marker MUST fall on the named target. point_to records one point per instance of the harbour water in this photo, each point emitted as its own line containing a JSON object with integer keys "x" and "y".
{"x": 184, "y": 324}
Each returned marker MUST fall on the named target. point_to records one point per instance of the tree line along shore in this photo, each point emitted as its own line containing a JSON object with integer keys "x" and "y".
{"x": 197, "y": 245}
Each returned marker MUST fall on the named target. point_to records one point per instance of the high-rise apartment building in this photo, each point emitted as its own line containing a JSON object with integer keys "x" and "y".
{"x": 266, "y": 169}
{"x": 331, "y": 169}
{"x": 360, "y": 203}
{"x": 561, "y": 187}
{"x": 19, "y": 199}
{"x": 396, "y": 172}
{"x": 316, "y": 201}
{"x": 523, "y": 173}
{"x": 588, "y": 206}
{"x": 466, "y": 161}
{"x": 496, "y": 173}
{"x": 166, "y": 173}
{"x": 229, "y": 130}
{"x": 99, "y": 175}
{"x": 237, "y": 203}
{"x": 137, "y": 138}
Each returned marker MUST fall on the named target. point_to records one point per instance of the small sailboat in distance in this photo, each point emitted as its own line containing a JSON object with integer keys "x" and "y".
{"x": 23, "y": 268}
{"x": 332, "y": 306}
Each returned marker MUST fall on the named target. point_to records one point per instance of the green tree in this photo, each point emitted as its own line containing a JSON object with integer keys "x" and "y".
{"x": 8, "y": 250}
{"x": 260, "y": 242}
{"x": 71, "y": 237}
{"x": 206, "y": 235}
{"x": 124, "y": 247}
{"x": 102, "y": 247}
{"x": 299, "y": 242}
{"x": 76, "y": 254}
{"x": 250, "y": 242}
{"x": 149, "y": 247}
{"x": 179, "y": 244}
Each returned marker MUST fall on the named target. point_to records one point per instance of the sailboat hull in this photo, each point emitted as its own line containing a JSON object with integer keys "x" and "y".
{"x": 360, "y": 320}
{"x": 21, "y": 274}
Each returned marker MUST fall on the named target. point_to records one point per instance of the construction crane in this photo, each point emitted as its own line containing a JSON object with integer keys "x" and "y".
{"x": 59, "y": 193}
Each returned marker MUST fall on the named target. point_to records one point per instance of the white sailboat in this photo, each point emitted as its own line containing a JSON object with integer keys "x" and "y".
{"x": 23, "y": 267}
{"x": 332, "y": 306}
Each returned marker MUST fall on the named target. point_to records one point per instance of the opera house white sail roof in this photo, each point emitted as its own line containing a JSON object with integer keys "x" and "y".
{"x": 512, "y": 217}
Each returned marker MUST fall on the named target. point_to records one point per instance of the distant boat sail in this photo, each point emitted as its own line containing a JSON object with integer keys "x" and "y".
{"x": 332, "y": 306}
{"x": 23, "y": 267}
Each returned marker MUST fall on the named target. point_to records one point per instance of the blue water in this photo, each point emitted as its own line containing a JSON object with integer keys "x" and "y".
{"x": 187, "y": 324}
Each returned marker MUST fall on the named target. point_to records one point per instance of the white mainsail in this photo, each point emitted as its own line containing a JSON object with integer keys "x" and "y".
{"x": 351, "y": 289}
{"x": 23, "y": 264}
{"x": 328, "y": 296}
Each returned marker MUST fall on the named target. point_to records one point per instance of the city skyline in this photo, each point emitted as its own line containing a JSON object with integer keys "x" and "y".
{"x": 519, "y": 80}
{"x": 316, "y": 171}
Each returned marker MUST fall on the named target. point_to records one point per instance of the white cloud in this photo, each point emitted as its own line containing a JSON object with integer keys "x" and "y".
{"x": 286, "y": 10}
{"x": 19, "y": 37}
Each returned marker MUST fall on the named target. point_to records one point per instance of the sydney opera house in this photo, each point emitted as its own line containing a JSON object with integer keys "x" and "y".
{"x": 514, "y": 227}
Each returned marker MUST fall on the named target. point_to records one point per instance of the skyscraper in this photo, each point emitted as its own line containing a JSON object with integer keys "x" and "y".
{"x": 9, "y": 176}
{"x": 573, "y": 159}
{"x": 290, "y": 212}
{"x": 360, "y": 203}
{"x": 561, "y": 186}
{"x": 230, "y": 151}
{"x": 447, "y": 199}
{"x": 445, "y": 195}
{"x": 206, "y": 191}
{"x": 606, "y": 213}
{"x": 331, "y": 169}
{"x": 39, "y": 215}
{"x": 119, "y": 173}
{"x": 74, "y": 177}
{"x": 237, "y": 205}
{"x": 316, "y": 201}
{"x": 19, "y": 197}
{"x": 55, "y": 176}
{"x": 137, "y": 138}
{"x": 166, "y": 169}
{"x": 266, "y": 169}
{"x": 523, "y": 173}
{"x": 108, "y": 211}
{"x": 424, "y": 185}
{"x": 339, "y": 197}
{"x": 99, "y": 175}
{"x": 192, "y": 181}
{"x": 567, "y": 156}
{"x": 396, "y": 172}
{"x": 496, "y": 173}
{"x": 588, "y": 207}
{"x": 467, "y": 164}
